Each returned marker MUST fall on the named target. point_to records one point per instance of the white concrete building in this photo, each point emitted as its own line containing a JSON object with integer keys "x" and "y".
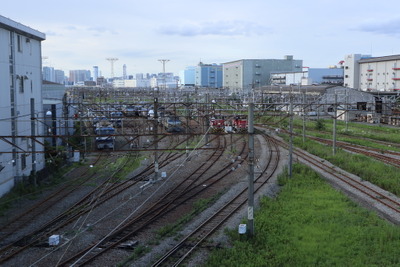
{"x": 21, "y": 100}
{"x": 133, "y": 83}
{"x": 352, "y": 70}
{"x": 309, "y": 76}
{"x": 380, "y": 74}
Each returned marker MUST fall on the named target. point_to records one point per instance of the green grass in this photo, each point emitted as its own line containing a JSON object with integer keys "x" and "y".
{"x": 124, "y": 165}
{"x": 311, "y": 224}
{"x": 173, "y": 228}
{"x": 137, "y": 253}
{"x": 354, "y": 130}
{"x": 24, "y": 190}
{"x": 376, "y": 172}
{"x": 355, "y": 133}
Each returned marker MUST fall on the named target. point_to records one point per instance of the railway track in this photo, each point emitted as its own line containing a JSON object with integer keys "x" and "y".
{"x": 103, "y": 192}
{"x": 82, "y": 175}
{"x": 181, "y": 194}
{"x": 39, "y": 235}
{"x": 189, "y": 243}
{"x": 351, "y": 184}
{"x": 388, "y": 157}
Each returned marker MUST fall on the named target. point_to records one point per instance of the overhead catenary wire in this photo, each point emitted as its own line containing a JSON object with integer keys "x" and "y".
{"x": 69, "y": 242}
{"x": 141, "y": 205}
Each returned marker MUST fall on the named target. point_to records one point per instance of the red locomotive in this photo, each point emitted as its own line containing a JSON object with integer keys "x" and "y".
{"x": 239, "y": 125}
{"x": 217, "y": 125}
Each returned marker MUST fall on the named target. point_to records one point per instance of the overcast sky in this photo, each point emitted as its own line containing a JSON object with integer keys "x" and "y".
{"x": 83, "y": 33}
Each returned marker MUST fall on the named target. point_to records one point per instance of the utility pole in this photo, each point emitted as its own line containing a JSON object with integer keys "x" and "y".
{"x": 334, "y": 126}
{"x": 155, "y": 139}
{"x": 291, "y": 136}
{"x": 206, "y": 119}
{"x": 347, "y": 110}
{"x": 250, "y": 209}
{"x": 304, "y": 118}
{"x": 33, "y": 142}
{"x": 187, "y": 126}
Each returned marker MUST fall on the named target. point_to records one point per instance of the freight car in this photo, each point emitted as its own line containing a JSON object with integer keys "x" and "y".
{"x": 105, "y": 137}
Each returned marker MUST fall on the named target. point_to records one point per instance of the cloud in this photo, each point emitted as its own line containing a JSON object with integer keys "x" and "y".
{"x": 101, "y": 30}
{"x": 391, "y": 27}
{"x": 70, "y": 28}
{"x": 51, "y": 33}
{"x": 220, "y": 28}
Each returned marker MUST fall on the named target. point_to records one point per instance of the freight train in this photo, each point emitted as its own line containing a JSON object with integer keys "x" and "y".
{"x": 232, "y": 125}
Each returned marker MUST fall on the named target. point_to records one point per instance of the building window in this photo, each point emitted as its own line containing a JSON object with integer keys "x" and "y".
{"x": 21, "y": 84}
{"x": 19, "y": 43}
{"x": 11, "y": 80}
{"x": 23, "y": 161}
{"x": 361, "y": 105}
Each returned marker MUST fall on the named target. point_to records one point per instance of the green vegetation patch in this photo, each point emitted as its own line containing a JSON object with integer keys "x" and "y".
{"x": 198, "y": 206}
{"x": 311, "y": 224}
{"x": 376, "y": 172}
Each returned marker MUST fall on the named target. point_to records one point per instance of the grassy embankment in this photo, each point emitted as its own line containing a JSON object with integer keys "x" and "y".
{"x": 355, "y": 133}
{"x": 311, "y": 224}
{"x": 377, "y": 172}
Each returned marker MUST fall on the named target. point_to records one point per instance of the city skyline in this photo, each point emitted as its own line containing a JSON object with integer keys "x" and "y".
{"x": 320, "y": 33}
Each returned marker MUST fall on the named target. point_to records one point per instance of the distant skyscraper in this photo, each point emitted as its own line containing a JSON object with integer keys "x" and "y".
{"x": 77, "y": 76}
{"x": 187, "y": 76}
{"x": 48, "y": 74}
{"x": 95, "y": 73}
{"x": 124, "y": 76}
{"x": 59, "y": 76}
{"x": 139, "y": 76}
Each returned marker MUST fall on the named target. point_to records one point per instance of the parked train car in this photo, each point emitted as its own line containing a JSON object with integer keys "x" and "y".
{"x": 98, "y": 121}
{"x": 217, "y": 125}
{"x": 116, "y": 118}
{"x": 104, "y": 137}
{"x": 172, "y": 124}
{"x": 239, "y": 125}
{"x": 132, "y": 111}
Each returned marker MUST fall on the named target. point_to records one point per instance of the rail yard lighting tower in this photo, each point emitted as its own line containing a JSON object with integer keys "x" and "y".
{"x": 164, "y": 61}
{"x": 112, "y": 61}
